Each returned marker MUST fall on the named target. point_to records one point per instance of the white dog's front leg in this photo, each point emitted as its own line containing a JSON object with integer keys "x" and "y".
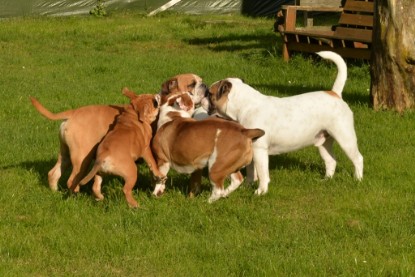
{"x": 161, "y": 185}
{"x": 261, "y": 165}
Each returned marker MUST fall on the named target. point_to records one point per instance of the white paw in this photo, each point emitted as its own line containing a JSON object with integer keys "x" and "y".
{"x": 328, "y": 176}
{"x": 159, "y": 190}
{"x": 216, "y": 195}
{"x": 261, "y": 191}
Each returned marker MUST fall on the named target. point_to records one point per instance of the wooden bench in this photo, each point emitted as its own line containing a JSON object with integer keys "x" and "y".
{"x": 351, "y": 37}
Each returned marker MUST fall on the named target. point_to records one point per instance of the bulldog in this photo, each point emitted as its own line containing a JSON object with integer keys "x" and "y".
{"x": 125, "y": 143}
{"x": 315, "y": 118}
{"x": 186, "y": 145}
{"x": 82, "y": 129}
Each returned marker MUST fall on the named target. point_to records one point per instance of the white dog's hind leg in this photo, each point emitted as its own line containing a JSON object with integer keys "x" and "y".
{"x": 357, "y": 159}
{"x": 261, "y": 161}
{"x": 236, "y": 180}
{"x": 358, "y": 164}
{"x": 346, "y": 138}
{"x": 326, "y": 153}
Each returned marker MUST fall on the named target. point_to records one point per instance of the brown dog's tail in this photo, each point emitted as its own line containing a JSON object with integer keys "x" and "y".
{"x": 48, "y": 114}
{"x": 91, "y": 174}
{"x": 253, "y": 133}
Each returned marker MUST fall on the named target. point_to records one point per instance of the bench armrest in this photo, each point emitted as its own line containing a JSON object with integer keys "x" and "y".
{"x": 312, "y": 8}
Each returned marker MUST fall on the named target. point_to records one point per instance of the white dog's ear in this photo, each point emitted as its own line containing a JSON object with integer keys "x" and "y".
{"x": 224, "y": 88}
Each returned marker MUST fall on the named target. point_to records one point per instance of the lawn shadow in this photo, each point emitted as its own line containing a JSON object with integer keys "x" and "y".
{"x": 41, "y": 168}
{"x": 145, "y": 181}
{"x": 235, "y": 42}
{"x": 290, "y": 163}
{"x": 112, "y": 185}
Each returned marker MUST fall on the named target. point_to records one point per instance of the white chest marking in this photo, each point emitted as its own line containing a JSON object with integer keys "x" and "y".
{"x": 212, "y": 158}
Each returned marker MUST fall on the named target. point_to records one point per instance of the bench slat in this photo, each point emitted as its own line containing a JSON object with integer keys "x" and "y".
{"x": 356, "y": 20}
{"x": 360, "y": 35}
{"x": 341, "y": 33}
{"x": 358, "y": 6}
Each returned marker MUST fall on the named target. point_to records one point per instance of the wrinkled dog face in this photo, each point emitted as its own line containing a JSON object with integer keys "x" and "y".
{"x": 189, "y": 83}
{"x": 147, "y": 107}
{"x": 217, "y": 98}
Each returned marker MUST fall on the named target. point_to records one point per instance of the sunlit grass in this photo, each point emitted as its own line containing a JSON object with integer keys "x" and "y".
{"x": 305, "y": 225}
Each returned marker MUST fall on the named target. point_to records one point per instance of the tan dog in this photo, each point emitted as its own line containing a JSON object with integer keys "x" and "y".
{"x": 188, "y": 145}
{"x": 84, "y": 128}
{"x": 123, "y": 145}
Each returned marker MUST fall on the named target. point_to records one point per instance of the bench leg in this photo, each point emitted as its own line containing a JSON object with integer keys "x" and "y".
{"x": 285, "y": 53}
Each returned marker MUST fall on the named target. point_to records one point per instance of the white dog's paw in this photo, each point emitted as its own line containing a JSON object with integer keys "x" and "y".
{"x": 261, "y": 191}
{"x": 358, "y": 177}
{"x": 159, "y": 190}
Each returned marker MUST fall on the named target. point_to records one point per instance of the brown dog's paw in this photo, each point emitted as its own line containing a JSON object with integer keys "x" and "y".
{"x": 133, "y": 205}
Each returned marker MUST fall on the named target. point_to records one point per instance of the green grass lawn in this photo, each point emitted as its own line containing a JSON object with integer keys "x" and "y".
{"x": 305, "y": 225}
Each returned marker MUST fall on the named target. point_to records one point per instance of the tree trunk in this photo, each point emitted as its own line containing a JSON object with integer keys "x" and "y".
{"x": 393, "y": 55}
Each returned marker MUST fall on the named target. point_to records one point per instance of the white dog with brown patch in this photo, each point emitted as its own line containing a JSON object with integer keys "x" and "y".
{"x": 186, "y": 145}
{"x": 315, "y": 118}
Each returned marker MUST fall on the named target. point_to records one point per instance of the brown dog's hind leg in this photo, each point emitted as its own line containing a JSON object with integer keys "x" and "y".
{"x": 129, "y": 174}
{"x": 236, "y": 181}
{"x": 96, "y": 188}
{"x": 149, "y": 159}
{"x": 61, "y": 165}
{"x": 216, "y": 179}
{"x": 80, "y": 166}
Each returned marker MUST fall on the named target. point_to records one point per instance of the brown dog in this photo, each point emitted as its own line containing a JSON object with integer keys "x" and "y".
{"x": 123, "y": 145}
{"x": 84, "y": 128}
{"x": 188, "y": 145}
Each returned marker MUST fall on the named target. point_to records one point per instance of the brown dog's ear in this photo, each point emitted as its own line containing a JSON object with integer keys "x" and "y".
{"x": 172, "y": 99}
{"x": 129, "y": 93}
{"x": 169, "y": 86}
{"x": 224, "y": 88}
{"x": 183, "y": 100}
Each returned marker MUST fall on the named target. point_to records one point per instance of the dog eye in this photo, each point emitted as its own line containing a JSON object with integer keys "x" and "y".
{"x": 192, "y": 85}
{"x": 155, "y": 103}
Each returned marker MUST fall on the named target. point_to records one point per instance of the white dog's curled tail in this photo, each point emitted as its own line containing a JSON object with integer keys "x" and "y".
{"x": 341, "y": 70}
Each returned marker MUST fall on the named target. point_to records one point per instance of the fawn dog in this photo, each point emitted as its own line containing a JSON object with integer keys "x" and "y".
{"x": 125, "y": 143}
